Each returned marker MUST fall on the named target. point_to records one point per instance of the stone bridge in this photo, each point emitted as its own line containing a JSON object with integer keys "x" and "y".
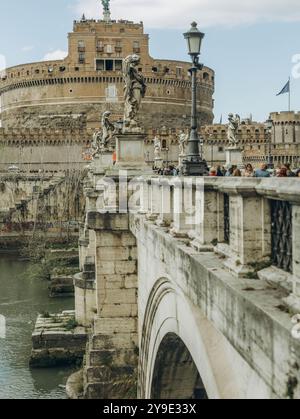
{"x": 40, "y": 203}
{"x": 192, "y": 293}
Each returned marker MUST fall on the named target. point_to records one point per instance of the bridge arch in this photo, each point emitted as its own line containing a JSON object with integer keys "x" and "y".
{"x": 175, "y": 374}
{"x": 175, "y": 333}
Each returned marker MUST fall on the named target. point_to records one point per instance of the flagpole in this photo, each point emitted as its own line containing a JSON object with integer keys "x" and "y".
{"x": 290, "y": 95}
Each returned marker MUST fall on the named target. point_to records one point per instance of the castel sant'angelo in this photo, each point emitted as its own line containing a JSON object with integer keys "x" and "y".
{"x": 61, "y": 101}
{"x": 72, "y": 93}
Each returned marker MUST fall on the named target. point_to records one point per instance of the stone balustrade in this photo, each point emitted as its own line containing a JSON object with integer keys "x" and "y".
{"x": 243, "y": 232}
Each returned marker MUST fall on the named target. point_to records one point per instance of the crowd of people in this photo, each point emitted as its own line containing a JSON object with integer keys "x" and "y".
{"x": 234, "y": 171}
{"x": 249, "y": 171}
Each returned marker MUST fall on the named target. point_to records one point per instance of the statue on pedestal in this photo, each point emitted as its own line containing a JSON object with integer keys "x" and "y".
{"x": 105, "y": 4}
{"x": 183, "y": 139}
{"x": 103, "y": 138}
{"x": 234, "y": 153}
{"x": 135, "y": 90}
{"x": 158, "y": 160}
{"x": 106, "y": 10}
{"x": 157, "y": 148}
{"x": 233, "y": 126}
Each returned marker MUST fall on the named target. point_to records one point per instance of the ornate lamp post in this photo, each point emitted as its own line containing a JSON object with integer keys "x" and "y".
{"x": 269, "y": 128}
{"x": 194, "y": 164}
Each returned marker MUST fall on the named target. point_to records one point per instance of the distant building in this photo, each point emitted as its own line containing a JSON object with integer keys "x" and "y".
{"x": 283, "y": 143}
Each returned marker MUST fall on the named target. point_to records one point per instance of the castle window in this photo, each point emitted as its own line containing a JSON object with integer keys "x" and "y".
{"x": 118, "y": 47}
{"x": 164, "y": 144}
{"x": 136, "y": 47}
{"x": 178, "y": 72}
{"x": 100, "y": 65}
{"x": 109, "y": 49}
{"x": 205, "y": 76}
{"x": 220, "y": 149}
{"x": 81, "y": 46}
{"x": 100, "y": 47}
{"x": 109, "y": 65}
{"x": 81, "y": 58}
{"x": 154, "y": 69}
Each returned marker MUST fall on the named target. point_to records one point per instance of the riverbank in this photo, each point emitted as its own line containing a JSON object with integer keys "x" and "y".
{"x": 21, "y": 300}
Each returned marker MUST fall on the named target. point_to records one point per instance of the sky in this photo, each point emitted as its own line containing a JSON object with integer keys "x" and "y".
{"x": 253, "y": 45}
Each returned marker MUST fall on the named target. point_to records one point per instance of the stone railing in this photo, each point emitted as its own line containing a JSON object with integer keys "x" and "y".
{"x": 253, "y": 224}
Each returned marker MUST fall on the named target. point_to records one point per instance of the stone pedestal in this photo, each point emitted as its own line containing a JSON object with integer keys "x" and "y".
{"x": 181, "y": 159}
{"x": 234, "y": 156}
{"x": 103, "y": 160}
{"x": 130, "y": 150}
{"x": 158, "y": 163}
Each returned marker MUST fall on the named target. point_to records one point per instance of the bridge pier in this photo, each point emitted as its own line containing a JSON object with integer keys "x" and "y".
{"x": 112, "y": 352}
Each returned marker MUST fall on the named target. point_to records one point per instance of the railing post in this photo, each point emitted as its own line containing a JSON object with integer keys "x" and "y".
{"x": 206, "y": 233}
{"x": 165, "y": 217}
{"x": 250, "y": 227}
{"x": 144, "y": 195}
{"x": 183, "y": 207}
{"x": 154, "y": 204}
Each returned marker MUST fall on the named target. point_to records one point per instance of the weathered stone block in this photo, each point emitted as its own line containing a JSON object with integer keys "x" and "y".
{"x": 119, "y": 310}
{"x": 113, "y": 222}
{"x": 120, "y": 340}
{"x": 123, "y": 296}
{"x": 126, "y": 267}
{"x": 111, "y": 326}
{"x": 106, "y": 268}
{"x": 113, "y": 253}
{"x": 131, "y": 281}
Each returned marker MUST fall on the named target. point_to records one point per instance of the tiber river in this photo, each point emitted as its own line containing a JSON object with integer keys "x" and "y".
{"x": 21, "y": 300}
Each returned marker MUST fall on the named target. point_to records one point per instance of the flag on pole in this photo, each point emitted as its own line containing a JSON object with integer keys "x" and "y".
{"x": 286, "y": 89}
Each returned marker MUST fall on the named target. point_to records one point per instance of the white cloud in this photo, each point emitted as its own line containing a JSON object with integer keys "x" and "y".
{"x": 178, "y": 13}
{"x": 55, "y": 55}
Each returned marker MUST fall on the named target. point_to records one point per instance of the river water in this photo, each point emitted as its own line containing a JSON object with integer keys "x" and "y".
{"x": 21, "y": 300}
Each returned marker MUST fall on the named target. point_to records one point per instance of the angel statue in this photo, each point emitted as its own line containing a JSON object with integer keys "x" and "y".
{"x": 108, "y": 130}
{"x": 105, "y": 4}
{"x": 134, "y": 92}
{"x": 96, "y": 143}
{"x": 183, "y": 138}
{"x": 234, "y": 123}
{"x": 102, "y": 138}
{"x": 157, "y": 148}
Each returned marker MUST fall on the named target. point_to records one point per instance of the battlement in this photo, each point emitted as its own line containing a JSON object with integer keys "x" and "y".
{"x": 281, "y": 118}
{"x": 247, "y": 133}
{"x": 33, "y": 137}
{"x": 114, "y": 26}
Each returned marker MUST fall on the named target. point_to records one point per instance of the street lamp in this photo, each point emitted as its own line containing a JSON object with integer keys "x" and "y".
{"x": 194, "y": 164}
{"x": 269, "y": 127}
